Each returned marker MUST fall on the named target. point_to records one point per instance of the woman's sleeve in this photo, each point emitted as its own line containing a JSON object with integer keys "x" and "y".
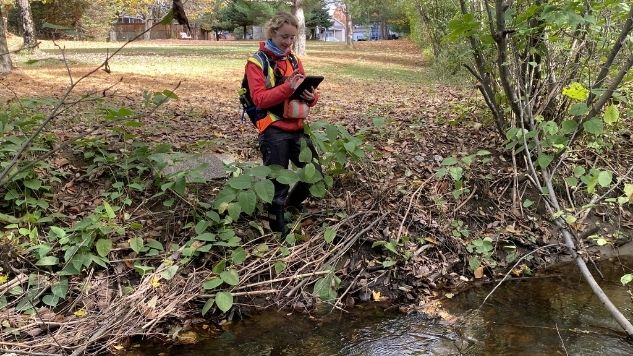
{"x": 263, "y": 97}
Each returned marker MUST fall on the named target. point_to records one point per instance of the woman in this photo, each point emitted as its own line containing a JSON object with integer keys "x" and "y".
{"x": 281, "y": 125}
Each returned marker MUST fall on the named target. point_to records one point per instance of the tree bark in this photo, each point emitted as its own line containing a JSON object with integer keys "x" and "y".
{"x": 149, "y": 23}
{"x": 487, "y": 84}
{"x": 5, "y": 58}
{"x": 26, "y": 18}
{"x": 349, "y": 28}
{"x": 300, "y": 43}
{"x": 3, "y": 15}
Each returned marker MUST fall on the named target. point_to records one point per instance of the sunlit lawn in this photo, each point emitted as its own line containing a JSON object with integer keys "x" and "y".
{"x": 381, "y": 78}
{"x": 392, "y": 60}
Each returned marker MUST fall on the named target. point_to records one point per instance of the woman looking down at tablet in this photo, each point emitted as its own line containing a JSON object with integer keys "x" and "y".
{"x": 281, "y": 130}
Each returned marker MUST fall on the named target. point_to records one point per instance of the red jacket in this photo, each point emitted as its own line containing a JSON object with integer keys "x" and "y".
{"x": 266, "y": 98}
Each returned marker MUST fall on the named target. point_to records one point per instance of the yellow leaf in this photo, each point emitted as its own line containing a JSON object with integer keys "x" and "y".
{"x": 81, "y": 313}
{"x": 375, "y": 296}
{"x": 119, "y": 347}
{"x": 156, "y": 281}
{"x": 3, "y": 278}
{"x": 431, "y": 239}
{"x": 517, "y": 272}
{"x": 576, "y": 91}
{"x": 167, "y": 262}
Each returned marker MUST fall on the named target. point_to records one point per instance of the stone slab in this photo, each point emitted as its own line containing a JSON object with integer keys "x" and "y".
{"x": 183, "y": 162}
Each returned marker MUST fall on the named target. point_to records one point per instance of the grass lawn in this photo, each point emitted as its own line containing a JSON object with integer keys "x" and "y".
{"x": 397, "y": 60}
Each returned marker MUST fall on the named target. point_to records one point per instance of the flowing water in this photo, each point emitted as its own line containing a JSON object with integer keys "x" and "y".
{"x": 549, "y": 315}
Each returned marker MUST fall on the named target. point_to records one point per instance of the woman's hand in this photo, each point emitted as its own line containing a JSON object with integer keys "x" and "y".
{"x": 295, "y": 79}
{"x": 309, "y": 95}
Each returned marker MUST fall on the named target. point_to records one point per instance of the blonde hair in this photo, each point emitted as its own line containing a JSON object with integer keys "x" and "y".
{"x": 277, "y": 22}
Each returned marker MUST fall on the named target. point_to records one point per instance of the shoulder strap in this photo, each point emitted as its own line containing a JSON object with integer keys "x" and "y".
{"x": 293, "y": 61}
{"x": 265, "y": 61}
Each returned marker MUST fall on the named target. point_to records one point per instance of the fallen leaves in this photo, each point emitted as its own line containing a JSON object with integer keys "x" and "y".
{"x": 479, "y": 272}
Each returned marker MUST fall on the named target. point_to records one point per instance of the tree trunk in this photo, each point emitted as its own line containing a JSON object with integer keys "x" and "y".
{"x": 384, "y": 30}
{"x": 4, "y": 9}
{"x": 26, "y": 18}
{"x": 149, "y": 22}
{"x": 300, "y": 43}
{"x": 349, "y": 28}
{"x": 5, "y": 58}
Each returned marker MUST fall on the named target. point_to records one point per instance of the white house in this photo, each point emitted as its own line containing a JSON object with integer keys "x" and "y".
{"x": 334, "y": 33}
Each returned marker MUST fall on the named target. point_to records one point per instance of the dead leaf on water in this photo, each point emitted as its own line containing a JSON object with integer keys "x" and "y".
{"x": 479, "y": 272}
{"x": 375, "y": 296}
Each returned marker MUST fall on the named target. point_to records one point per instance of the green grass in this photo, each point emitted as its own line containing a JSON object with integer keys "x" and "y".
{"x": 371, "y": 72}
{"x": 396, "y": 61}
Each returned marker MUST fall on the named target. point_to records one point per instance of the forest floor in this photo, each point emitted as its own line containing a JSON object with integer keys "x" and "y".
{"x": 403, "y": 235}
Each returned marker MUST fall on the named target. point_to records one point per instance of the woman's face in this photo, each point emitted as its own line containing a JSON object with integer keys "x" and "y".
{"x": 285, "y": 36}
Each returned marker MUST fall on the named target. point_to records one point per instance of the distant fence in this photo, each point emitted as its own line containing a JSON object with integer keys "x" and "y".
{"x": 127, "y": 31}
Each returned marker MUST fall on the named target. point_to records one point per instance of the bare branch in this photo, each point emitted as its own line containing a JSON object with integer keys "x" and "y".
{"x": 604, "y": 70}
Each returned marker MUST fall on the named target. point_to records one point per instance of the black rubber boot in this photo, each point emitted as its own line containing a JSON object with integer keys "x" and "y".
{"x": 277, "y": 222}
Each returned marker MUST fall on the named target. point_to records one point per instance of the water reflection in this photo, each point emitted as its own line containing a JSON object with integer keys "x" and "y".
{"x": 554, "y": 315}
{"x": 542, "y": 316}
{"x": 366, "y": 331}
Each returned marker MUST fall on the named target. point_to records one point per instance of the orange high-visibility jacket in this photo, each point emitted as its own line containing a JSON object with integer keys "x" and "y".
{"x": 266, "y": 94}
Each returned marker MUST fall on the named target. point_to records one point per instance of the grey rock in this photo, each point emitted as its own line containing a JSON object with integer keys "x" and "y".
{"x": 208, "y": 165}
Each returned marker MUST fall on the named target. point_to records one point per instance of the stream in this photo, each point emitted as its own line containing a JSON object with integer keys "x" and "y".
{"x": 554, "y": 313}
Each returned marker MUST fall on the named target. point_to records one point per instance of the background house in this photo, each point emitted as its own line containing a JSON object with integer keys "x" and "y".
{"x": 335, "y": 33}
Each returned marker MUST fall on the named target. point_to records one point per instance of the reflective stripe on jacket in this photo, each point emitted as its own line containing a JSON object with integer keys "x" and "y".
{"x": 269, "y": 96}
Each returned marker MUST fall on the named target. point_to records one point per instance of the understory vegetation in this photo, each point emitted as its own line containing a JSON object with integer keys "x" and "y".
{"x": 426, "y": 186}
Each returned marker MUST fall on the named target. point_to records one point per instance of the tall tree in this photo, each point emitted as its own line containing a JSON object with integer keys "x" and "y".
{"x": 300, "y": 43}
{"x": 215, "y": 19}
{"x": 5, "y": 10}
{"x": 429, "y": 21}
{"x": 245, "y": 13}
{"x": 317, "y": 16}
{"x": 151, "y": 10}
{"x": 380, "y": 14}
{"x": 345, "y": 7}
{"x": 5, "y": 58}
{"x": 154, "y": 12}
{"x": 349, "y": 27}
{"x": 26, "y": 19}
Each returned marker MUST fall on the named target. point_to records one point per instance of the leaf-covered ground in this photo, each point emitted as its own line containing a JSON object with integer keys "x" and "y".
{"x": 395, "y": 209}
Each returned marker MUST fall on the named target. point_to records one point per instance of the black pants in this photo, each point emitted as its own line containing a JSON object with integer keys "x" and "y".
{"x": 280, "y": 148}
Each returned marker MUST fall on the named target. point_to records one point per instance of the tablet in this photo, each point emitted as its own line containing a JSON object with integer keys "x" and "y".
{"x": 308, "y": 81}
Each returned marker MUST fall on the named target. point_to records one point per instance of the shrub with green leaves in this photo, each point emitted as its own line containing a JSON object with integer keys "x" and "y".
{"x": 455, "y": 168}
